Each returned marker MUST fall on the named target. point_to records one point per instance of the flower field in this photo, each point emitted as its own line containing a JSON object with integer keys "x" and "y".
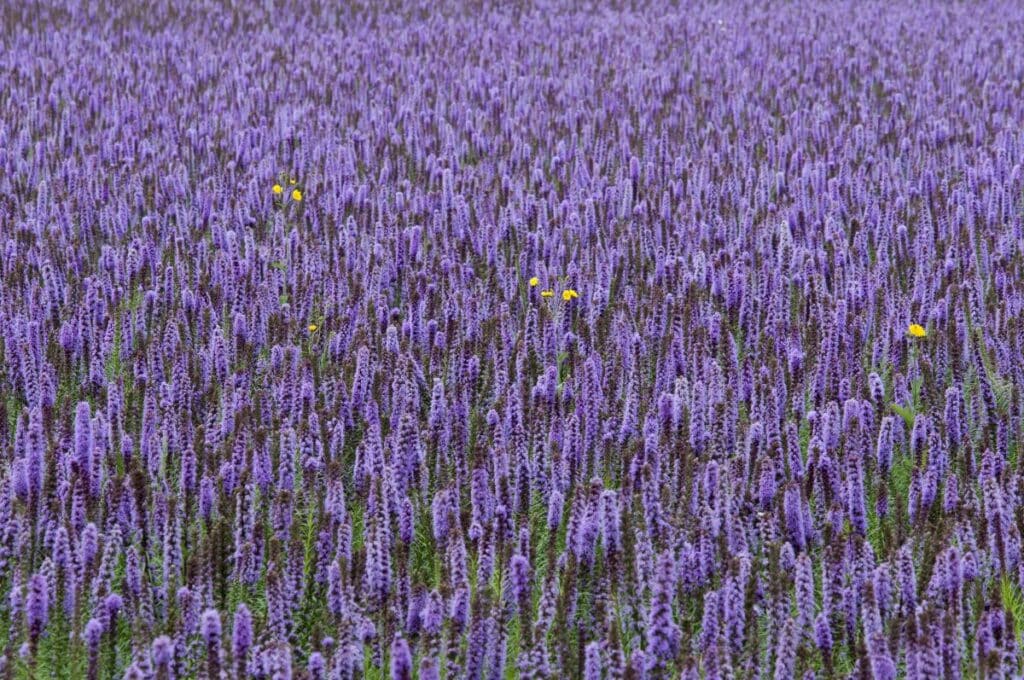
{"x": 411, "y": 340}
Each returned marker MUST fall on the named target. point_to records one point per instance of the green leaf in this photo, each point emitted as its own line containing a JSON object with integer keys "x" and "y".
{"x": 1013, "y": 604}
{"x": 907, "y": 414}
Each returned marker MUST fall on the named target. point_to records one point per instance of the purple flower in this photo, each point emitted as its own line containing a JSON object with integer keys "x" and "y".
{"x": 163, "y": 652}
{"x": 433, "y": 613}
{"x": 592, "y": 662}
{"x": 785, "y": 652}
{"x": 823, "y": 633}
{"x": 401, "y": 660}
{"x": 241, "y": 636}
{"x": 93, "y": 635}
{"x": 497, "y": 356}
{"x": 210, "y": 629}
{"x": 316, "y": 666}
{"x": 37, "y": 610}
{"x": 663, "y": 636}
{"x": 519, "y": 569}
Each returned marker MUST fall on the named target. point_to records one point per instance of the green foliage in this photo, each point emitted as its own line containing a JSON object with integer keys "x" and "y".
{"x": 907, "y": 414}
{"x": 1013, "y": 603}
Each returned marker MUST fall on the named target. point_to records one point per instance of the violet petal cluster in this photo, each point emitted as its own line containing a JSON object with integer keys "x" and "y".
{"x": 534, "y": 339}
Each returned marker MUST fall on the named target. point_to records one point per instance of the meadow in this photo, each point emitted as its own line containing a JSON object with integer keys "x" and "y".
{"x": 413, "y": 340}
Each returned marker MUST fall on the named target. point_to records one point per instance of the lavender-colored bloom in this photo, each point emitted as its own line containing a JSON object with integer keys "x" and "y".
{"x": 823, "y": 633}
{"x": 884, "y": 449}
{"x": 83, "y": 438}
{"x": 37, "y": 609}
{"x": 592, "y": 662}
{"x": 433, "y": 613}
{"x": 555, "y": 503}
{"x": 785, "y": 652}
{"x": 93, "y": 635}
{"x": 519, "y": 569}
{"x": 163, "y": 652}
{"x": 210, "y": 629}
{"x": 507, "y": 357}
{"x": 316, "y": 666}
{"x": 401, "y": 660}
{"x": 241, "y": 636}
{"x": 112, "y": 605}
{"x": 793, "y": 508}
{"x": 429, "y": 669}
{"x": 663, "y": 636}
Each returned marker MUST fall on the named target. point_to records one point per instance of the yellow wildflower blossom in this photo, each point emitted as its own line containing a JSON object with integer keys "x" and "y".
{"x": 917, "y": 330}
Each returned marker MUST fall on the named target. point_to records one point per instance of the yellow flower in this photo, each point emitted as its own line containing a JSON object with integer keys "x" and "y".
{"x": 917, "y": 331}
{"x": 311, "y": 328}
{"x": 278, "y": 189}
{"x": 534, "y": 281}
{"x": 291, "y": 181}
{"x": 297, "y": 195}
{"x": 547, "y": 293}
{"x": 569, "y": 294}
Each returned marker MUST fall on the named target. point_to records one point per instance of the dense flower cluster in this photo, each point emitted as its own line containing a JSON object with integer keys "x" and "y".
{"x": 449, "y": 340}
